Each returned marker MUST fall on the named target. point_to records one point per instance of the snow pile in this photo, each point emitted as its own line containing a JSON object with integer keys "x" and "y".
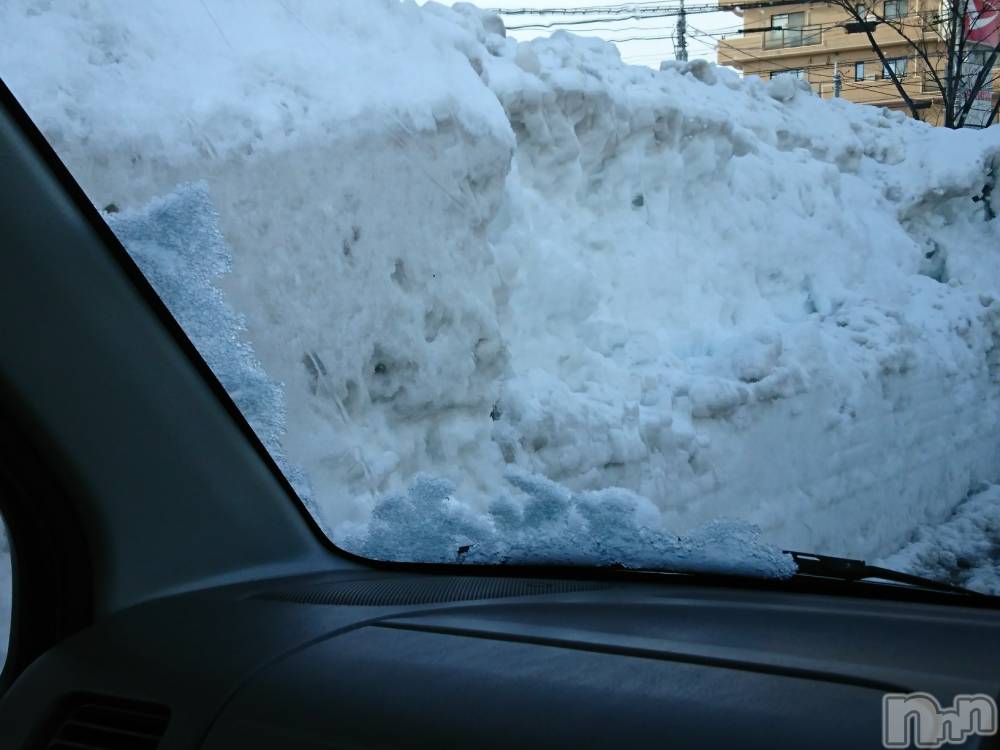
{"x": 474, "y": 259}
{"x": 177, "y": 244}
{"x": 964, "y": 550}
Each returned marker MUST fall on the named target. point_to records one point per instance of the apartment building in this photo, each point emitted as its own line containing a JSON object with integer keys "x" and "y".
{"x": 814, "y": 42}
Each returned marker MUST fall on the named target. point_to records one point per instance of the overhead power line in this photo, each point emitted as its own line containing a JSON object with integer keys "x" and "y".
{"x": 586, "y": 10}
{"x": 880, "y": 89}
{"x": 612, "y": 14}
{"x": 639, "y": 10}
{"x": 613, "y": 19}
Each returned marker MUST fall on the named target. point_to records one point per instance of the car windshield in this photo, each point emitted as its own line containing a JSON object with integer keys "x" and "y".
{"x": 641, "y": 285}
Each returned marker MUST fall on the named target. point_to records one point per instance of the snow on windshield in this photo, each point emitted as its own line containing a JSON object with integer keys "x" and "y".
{"x": 179, "y": 247}
{"x": 526, "y": 302}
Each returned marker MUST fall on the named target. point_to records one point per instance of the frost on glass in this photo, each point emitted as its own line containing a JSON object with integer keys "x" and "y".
{"x": 541, "y": 521}
{"x": 177, "y": 244}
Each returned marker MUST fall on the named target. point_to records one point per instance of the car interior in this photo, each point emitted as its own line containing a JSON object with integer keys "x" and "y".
{"x": 152, "y": 611}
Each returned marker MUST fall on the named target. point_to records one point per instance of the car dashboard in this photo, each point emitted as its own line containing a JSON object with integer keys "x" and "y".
{"x": 379, "y": 660}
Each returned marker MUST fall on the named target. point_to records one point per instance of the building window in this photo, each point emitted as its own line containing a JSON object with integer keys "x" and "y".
{"x": 797, "y": 73}
{"x": 788, "y": 30}
{"x": 862, "y": 10}
{"x": 894, "y": 9}
{"x": 859, "y": 71}
{"x": 789, "y": 20}
{"x": 898, "y": 66}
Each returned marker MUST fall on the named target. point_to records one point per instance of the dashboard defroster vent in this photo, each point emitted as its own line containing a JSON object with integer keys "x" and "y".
{"x": 389, "y": 592}
{"x": 92, "y": 722}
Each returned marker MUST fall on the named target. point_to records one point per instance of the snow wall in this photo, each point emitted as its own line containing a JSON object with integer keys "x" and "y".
{"x": 464, "y": 256}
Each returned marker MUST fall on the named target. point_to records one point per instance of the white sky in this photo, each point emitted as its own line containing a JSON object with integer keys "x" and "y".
{"x": 636, "y": 52}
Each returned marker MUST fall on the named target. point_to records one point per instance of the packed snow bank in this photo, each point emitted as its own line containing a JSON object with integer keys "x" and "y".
{"x": 482, "y": 258}
{"x": 964, "y": 550}
{"x": 177, "y": 244}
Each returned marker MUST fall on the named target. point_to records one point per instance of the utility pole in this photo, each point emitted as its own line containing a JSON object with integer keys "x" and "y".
{"x": 953, "y": 80}
{"x": 837, "y": 82}
{"x": 681, "y": 48}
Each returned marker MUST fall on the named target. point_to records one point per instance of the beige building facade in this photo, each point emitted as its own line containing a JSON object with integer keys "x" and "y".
{"x": 812, "y": 41}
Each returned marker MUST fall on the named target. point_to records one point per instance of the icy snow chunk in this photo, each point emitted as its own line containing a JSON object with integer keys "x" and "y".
{"x": 784, "y": 88}
{"x": 715, "y": 397}
{"x": 425, "y": 524}
{"x": 490, "y": 22}
{"x": 546, "y": 523}
{"x": 701, "y": 70}
{"x": 752, "y": 358}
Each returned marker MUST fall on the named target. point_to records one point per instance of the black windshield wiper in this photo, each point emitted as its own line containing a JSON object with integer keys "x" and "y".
{"x": 844, "y": 569}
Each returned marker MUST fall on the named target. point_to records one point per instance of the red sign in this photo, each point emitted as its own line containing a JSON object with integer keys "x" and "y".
{"x": 982, "y": 21}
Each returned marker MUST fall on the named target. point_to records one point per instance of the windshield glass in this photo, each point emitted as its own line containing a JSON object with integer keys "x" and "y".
{"x": 490, "y": 291}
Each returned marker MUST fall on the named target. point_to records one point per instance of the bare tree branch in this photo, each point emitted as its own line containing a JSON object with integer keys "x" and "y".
{"x": 985, "y": 69}
{"x": 993, "y": 114}
{"x": 852, "y": 10}
{"x": 942, "y": 46}
{"x": 920, "y": 50}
